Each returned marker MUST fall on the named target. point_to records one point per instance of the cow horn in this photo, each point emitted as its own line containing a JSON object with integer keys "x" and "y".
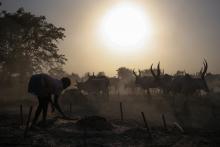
{"x": 134, "y": 73}
{"x": 158, "y": 70}
{"x": 201, "y": 71}
{"x": 205, "y": 64}
{"x": 152, "y": 72}
{"x": 139, "y": 72}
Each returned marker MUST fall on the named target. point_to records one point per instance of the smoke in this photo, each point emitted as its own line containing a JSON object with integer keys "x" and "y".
{"x": 189, "y": 112}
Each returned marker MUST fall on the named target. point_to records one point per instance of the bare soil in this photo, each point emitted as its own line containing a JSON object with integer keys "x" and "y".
{"x": 198, "y": 118}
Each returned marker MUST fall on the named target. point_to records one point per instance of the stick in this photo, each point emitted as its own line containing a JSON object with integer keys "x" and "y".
{"x": 85, "y": 137}
{"x": 21, "y": 115}
{"x": 28, "y": 121}
{"x": 179, "y": 127}
{"x": 121, "y": 110}
{"x": 164, "y": 122}
{"x": 146, "y": 125}
{"x": 70, "y": 107}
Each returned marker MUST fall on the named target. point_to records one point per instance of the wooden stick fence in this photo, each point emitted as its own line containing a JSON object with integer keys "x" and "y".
{"x": 70, "y": 108}
{"x": 121, "y": 110}
{"x": 146, "y": 125}
{"x": 164, "y": 122}
{"x": 28, "y": 121}
{"x": 21, "y": 115}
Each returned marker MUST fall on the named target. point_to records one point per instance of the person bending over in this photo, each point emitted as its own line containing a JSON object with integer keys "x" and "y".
{"x": 44, "y": 87}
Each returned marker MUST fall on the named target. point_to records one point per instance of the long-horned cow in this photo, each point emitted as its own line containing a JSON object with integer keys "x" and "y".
{"x": 114, "y": 84}
{"x": 189, "y": 85}
{"x": 163, "y": 81}
{"x": 95, "y": 85}
{"x": 145, "y": 82}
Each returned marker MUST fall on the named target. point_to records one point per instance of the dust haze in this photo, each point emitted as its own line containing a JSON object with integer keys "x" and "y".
{"x": 149, "y": 105}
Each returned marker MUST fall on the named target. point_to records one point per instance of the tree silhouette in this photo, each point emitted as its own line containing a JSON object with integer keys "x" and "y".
{"x": 28, "y": 43}
{"x": 57, "y": 72}
{"x": 125, "y": 73}
{"x": 101, "y": 73}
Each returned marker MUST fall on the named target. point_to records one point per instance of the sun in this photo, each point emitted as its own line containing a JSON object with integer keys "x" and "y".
{"x": 125, "y": 27}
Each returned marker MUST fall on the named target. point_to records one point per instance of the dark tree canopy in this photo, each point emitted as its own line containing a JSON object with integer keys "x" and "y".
{"x": 28, "y": 43}
{"x": 57, "y": 72}
{"x": 101, "y": 73}
{"x": 125, "y": 73}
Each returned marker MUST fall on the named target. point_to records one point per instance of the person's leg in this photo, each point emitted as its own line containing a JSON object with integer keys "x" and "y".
{"x": 52, "y": 104}
{"x": 45, "y": 107}
{"x": 38, "y": 111}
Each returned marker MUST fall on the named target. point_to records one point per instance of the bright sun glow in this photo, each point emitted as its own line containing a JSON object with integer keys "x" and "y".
{"x": 125, "y": 28}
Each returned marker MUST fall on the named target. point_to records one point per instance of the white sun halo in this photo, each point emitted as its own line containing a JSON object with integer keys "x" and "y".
{"x": 125, "y": 27}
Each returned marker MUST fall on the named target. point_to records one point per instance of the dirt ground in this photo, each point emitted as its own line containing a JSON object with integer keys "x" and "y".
{"x": 197, "y": 119}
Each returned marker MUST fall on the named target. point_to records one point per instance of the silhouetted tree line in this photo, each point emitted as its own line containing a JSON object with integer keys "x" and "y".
{"x": 28, "y": 44}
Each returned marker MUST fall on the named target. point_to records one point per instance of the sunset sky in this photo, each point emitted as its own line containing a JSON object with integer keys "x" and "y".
{"x": 178, "y": 33}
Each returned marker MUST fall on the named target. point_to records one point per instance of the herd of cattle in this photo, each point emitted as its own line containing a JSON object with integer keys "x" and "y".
{"x": 167, "y": 84}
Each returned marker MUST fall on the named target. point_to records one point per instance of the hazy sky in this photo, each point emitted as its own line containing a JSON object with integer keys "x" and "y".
{"x": 184, "y": 32}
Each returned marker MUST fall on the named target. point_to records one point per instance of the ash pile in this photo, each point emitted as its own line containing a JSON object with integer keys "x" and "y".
{"x": 96, "y": 123}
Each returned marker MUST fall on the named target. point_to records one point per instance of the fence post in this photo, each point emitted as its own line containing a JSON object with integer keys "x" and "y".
{"x": 164, "y": 122}
{"x": 21, "y": 115}
{"x": 146, "y": 125}
{"x": 28, "y": 121}
{"x": 121, "y": 110}
{"x": 70, "y": 107}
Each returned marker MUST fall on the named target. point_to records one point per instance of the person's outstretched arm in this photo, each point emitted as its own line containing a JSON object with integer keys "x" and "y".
{"x": 52, "y": 104}
{"x": 57, "y": 106}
